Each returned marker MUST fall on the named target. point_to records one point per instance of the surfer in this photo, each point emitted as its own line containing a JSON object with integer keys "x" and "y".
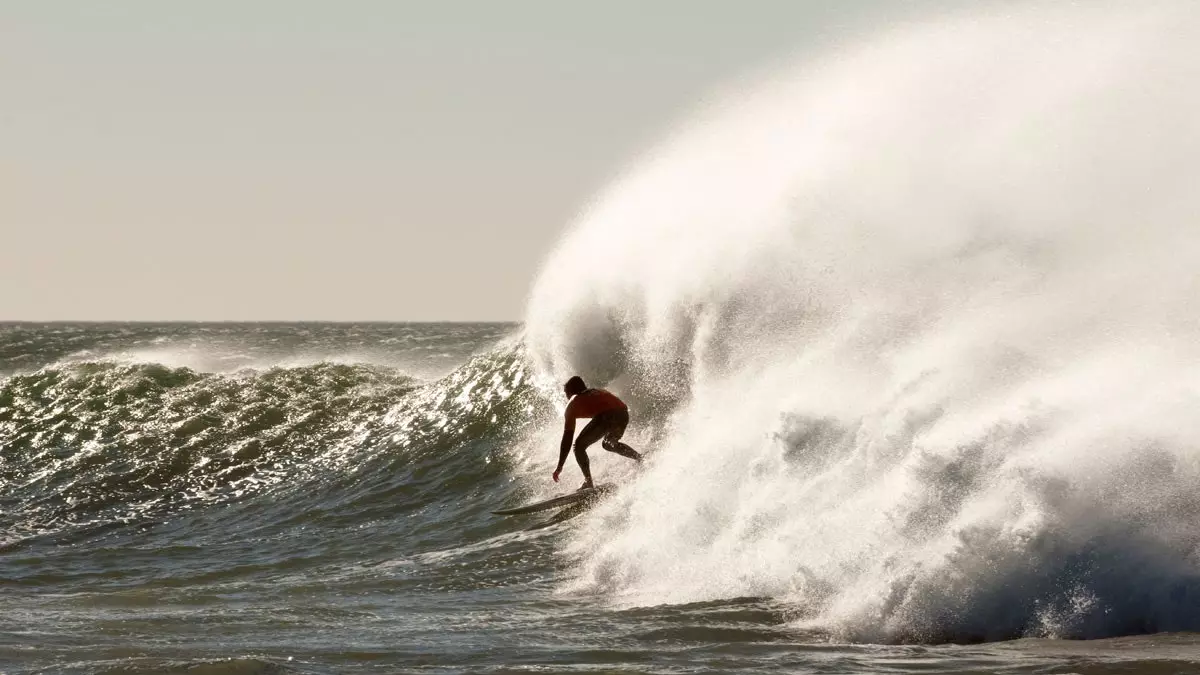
{"x": 609, "y": 416}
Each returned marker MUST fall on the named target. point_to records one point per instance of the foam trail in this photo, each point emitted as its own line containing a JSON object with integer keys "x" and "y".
{"x": 921, "y": 319}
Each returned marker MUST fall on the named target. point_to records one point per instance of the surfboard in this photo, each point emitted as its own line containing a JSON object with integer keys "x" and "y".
{"x": 555, "y": 502}
{"x": 566, "y": 514}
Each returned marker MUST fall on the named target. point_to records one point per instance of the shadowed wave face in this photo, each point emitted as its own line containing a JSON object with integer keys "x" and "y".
{"x": 918, "y": 318}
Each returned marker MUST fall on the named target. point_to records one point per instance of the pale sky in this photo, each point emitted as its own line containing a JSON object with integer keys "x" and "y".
{"x": 337, "y": 160}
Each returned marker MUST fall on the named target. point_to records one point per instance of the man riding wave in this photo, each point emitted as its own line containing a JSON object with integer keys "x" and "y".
{"x": 609, "y": 416}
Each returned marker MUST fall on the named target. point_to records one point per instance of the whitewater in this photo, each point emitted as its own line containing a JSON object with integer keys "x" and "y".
{"x": 908, "y": 326}
{"x": 918, "y": 320}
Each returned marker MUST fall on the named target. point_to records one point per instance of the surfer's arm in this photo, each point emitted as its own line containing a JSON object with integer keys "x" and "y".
{"x": 564, "y": 448}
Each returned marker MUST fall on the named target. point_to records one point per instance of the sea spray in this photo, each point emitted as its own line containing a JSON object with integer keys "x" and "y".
{"x": 919, "y": 318}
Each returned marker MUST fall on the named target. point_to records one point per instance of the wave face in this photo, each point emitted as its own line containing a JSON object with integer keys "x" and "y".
{"x": 106, "y": 442}
{"x": 104, "y": 431}
{"x": 915, "y": 324}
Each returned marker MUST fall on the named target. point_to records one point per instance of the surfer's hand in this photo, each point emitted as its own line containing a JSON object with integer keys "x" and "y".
{"x": 555, "y": 476}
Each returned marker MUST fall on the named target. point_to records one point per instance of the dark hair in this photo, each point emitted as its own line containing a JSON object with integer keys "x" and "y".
{"x": 574, "y": 386}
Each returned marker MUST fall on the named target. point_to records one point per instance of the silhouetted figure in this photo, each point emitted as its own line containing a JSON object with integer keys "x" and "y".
{"x": 609, "y": 416}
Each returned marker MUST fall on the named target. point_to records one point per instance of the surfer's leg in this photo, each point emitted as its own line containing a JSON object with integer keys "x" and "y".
{"x": 614, "y": 430}
{"x": 590, "y": 434}
{"x": 582, "y": 458}
{"x": 622, "y": 450}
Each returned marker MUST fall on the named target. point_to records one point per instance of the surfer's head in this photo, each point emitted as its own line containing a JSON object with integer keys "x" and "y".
{"x": 574, "y": 386}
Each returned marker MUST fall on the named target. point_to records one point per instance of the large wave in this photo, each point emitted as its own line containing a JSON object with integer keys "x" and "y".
{"x": 919, "y": 318}
{"x": 115, "y": 443}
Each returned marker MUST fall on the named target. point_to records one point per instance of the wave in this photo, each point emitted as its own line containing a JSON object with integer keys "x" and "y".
{"x": 427, "y": 351}
{"x": 916, "y": 321}
{"x": 106, "y": 441}
{"x": 89, "y": 446}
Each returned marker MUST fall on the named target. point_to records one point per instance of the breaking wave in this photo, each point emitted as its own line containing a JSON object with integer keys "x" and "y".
{"x": 916, "y": 325}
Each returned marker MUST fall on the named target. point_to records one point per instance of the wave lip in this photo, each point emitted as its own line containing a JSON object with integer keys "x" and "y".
{"x": 917, "y": 318}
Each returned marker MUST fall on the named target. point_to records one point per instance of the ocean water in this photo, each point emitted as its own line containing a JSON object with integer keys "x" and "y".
{"x": 910, "y": 330}
{"x": 290, "y": 498}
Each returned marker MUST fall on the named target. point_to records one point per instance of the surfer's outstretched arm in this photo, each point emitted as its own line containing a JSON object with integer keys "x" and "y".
{"x": 565, "y": 447}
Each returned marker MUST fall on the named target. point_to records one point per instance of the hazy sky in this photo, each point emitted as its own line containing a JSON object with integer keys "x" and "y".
{"x": 390, "y": 160}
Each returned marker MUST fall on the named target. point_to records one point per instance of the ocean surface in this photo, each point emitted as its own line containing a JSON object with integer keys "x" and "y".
{"x": 314, "y": 498}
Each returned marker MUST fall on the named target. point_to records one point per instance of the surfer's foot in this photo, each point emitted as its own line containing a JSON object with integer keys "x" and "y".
{"x": 587, "y": 485}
